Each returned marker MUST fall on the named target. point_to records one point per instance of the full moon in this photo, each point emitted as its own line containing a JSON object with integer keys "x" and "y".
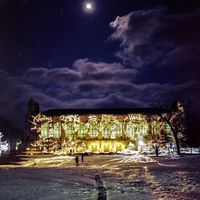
{"x": 89, "y": 6}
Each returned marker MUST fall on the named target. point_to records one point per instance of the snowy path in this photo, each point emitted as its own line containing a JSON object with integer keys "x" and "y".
{"x": 100, "y": 187}
{"x": 119, "y": 177}
{"x": 45, "y": 184}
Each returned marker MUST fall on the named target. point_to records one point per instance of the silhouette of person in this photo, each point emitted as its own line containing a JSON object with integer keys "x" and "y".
{"x": 82, "y": 157}
{"x": 77, "y": 161}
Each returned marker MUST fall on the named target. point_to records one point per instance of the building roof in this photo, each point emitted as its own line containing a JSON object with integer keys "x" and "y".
{"x": 116, "y": 111}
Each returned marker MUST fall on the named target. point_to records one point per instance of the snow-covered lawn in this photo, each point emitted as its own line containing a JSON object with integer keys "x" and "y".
{"x": 100, "y": 177}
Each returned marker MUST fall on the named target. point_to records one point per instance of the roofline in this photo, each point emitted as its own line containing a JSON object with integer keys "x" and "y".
{"x": 116, "y": 111}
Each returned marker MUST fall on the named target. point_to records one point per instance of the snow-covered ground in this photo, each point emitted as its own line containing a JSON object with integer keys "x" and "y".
{"x": 100, "y": 177}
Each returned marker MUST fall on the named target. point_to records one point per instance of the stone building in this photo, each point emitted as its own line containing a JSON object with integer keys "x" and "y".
{"x": 93, "y": 130}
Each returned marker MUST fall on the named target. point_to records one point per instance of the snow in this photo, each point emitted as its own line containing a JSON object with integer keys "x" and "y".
{"x": 101, "y": 177}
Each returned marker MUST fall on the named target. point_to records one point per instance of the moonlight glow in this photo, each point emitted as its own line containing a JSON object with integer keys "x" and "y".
{"x": 89, "y": 6}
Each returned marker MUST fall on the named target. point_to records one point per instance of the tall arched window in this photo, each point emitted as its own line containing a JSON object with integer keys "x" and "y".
{"x": 154, "y": 128}
{"x": 144, "y": 127}
{"x": 119, "y": 130}
{"x": 69, "y": 130}
{"x": 81, "y": 131}
{"x": 94, "y": 130}
{"x": 45, "y": 130}
{"x": 106, "y": 132}
{"x": 57, "y": 130}
{"x": 129, "y": 129}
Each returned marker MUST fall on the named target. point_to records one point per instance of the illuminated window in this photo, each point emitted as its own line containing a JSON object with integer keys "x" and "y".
{"x": 154, "y": 128}
{"x": 106, "y": 132}
{"x": 144, "y": 128}
{"x": 69, "y": 130}
{"x": 94, "y": 130}
{"x": 57, "y": 130}
{"x": 119, "y": 130}
{"x": 167, "y": 128}
{"x": 81, "y": 131}
{"x": 130, "y": 129}
{"x": 45, "y": 130}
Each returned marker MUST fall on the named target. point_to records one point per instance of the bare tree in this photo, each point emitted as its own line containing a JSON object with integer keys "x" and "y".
{"x": 177, "y": 122}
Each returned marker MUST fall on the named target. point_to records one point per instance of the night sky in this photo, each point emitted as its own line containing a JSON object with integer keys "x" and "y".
{"x": 122, "y": 53}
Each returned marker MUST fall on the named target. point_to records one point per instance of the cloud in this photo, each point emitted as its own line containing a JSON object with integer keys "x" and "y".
{"x": 164, "y": 47}
{"x": 85, "y": 66}
{"x": 133, "y": 30}
{"x": 55, "y": 76}
{"x": 110, "y": 101}
{"x": 160, "y": 39}
{"x": 103, "y": 71}
{"x": 15, "y": 93}
{"x": 61, "y": 87}
{"x": 76, "y": 87}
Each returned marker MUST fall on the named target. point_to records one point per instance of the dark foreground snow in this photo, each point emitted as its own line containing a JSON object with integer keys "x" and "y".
{"x": 100, "y": 177}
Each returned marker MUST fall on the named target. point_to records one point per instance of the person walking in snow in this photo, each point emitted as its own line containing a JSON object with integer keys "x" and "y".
{"x": 82, "y": 157}
{"x": 77, "y": 161}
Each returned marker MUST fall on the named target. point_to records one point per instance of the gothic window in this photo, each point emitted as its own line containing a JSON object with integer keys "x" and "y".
{"x": 119, "y": 130}
{"x": 167, "y": 128}
{"x": 106, "y": 132}
{"x": 129, "y": 130}
{"x": 94, "y": 130}
{"x": 154, "y": 128}
{"x": 81, "y": 131}
{"x": 144, "y": 128}
{"x": 45, "y": 130}
{"x": 69, "y": 129}
{"x": 57, "y": 130}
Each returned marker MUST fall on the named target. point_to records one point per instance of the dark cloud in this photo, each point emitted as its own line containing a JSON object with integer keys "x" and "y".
{"x": 161, "y": 39}
{"x": 55, "y": 76}
{"x": 55, "y": 88}
{"x": 14, "y": 95}
{"x": 84, "y": 66}
{"x": 164, "y": 47}
{"x": 133, "y": 30}
{"x": 103, "y": 71}
{"x": 110, "y": 101}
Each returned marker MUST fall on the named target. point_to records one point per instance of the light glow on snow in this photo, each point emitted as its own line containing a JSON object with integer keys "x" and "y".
{"x": 3, "y": 145}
